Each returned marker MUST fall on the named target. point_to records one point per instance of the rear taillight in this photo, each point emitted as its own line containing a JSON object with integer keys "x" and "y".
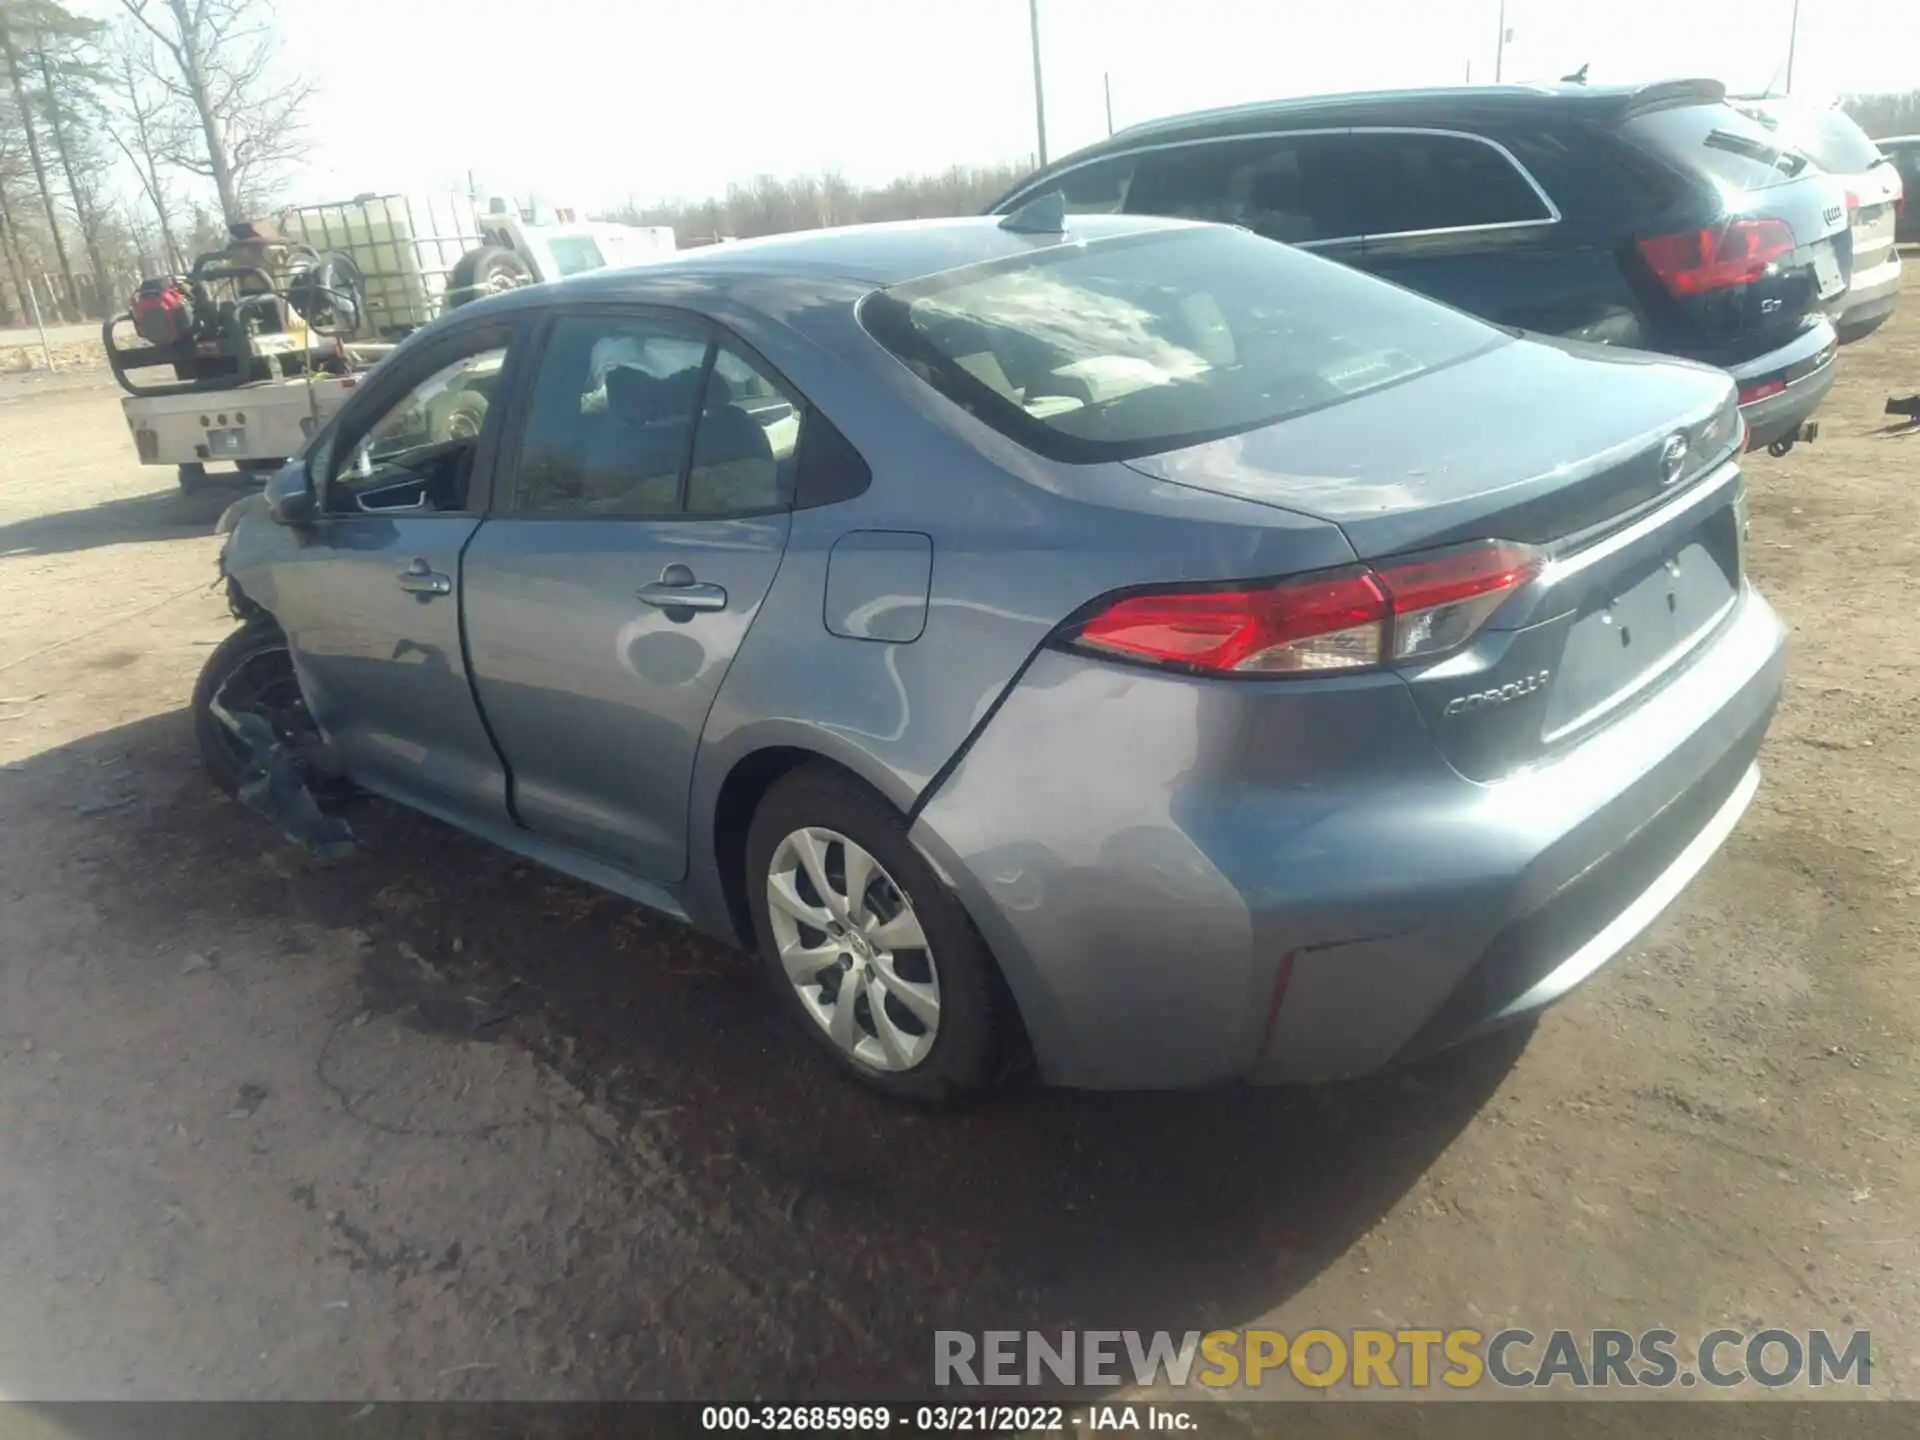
{"x": 1853, "y": 201}
{"x": 1317, "y": 624}
{"x": 1696, "y": 261}
{"x": 1751, "y": 393}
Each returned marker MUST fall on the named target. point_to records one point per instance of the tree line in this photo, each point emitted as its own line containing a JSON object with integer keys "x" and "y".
{"x": 176, "y": 97}
{"x": 771, "y": 205}
{"x": 1884, "y": 115}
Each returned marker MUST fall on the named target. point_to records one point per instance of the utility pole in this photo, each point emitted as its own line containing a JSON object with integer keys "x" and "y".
{"x": 1106, "y": 83}
{"x": 1500, "y": 46}
{"x": 1793, "y": 38}
{"x": 1039, "y": 93}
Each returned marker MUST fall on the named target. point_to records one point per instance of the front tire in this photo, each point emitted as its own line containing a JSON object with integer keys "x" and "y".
{"x": 251, "y": 669}
{"x": 869, "y": 952}
{"x": 489, "y": 270}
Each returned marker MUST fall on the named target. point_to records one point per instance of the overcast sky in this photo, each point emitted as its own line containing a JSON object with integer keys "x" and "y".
{"x": 588, "y": 101}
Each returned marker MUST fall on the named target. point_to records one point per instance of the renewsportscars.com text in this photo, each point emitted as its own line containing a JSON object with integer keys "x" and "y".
{"x": 1459, "y": 1359}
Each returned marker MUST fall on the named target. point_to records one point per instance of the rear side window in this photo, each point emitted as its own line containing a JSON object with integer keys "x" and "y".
{"x": 1716, "y": 140}
{"x": 1828, "y": 137}
{"x": 1149, "y": 343}
{"x": 1406, "y": 181}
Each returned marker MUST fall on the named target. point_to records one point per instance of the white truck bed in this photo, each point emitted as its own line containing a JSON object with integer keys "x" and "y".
{"x": 253, "y": 427}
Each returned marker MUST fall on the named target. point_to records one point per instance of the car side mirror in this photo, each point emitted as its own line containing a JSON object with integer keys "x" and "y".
{"x": 290, "y": 495}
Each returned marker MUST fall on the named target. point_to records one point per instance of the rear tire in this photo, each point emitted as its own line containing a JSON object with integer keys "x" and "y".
{"x": 193, "y": 478}
{"x": 903, "y": 941}
{"x": 487, "y": 271}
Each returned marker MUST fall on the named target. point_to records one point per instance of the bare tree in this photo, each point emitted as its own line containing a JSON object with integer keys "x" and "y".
{"x": 137, "y": 119}
{"x": 65, "y": 78}
{"x": 215, "y": 59}
{"x": 23, "y": 25}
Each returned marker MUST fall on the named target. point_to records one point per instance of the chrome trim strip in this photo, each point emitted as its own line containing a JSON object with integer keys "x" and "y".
{"x": 1553, "y": 217}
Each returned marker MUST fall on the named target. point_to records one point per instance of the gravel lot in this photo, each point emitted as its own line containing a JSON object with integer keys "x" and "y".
{"x": 428, "y": 1122}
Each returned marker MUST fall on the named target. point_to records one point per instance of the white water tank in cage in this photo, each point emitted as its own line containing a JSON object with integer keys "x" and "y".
{"x": 405, "y": 246}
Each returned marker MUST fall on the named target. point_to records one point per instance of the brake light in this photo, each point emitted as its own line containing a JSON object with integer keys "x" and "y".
{"x": 1317, "y": 624}
{"x": 1751, "y": 393}
{"x": 1853, "y": 201}
{"x": 1696, "y": 261}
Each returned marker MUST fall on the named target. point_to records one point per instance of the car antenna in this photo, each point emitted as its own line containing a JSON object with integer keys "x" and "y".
{"x": 1045, "y": 215}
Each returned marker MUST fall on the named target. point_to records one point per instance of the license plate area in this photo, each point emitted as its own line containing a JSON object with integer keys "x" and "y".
{"x": 226, "y": 444}
{"x": 1826, "y": 271}
{"x": 1645, "y": 620}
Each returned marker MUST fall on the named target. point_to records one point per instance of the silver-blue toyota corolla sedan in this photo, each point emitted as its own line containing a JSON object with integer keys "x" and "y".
{"x": 1137, "y": 642}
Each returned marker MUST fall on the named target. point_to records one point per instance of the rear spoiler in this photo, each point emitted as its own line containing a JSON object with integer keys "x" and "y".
{"x": 1665, "y": 94}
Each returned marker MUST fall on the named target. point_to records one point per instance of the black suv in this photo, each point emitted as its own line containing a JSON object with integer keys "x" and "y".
{"x": 1657, "y": 217}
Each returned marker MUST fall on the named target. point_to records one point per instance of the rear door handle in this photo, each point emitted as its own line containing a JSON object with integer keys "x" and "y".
{"x": 418, "y": 579}
{"x": 687, "y": 595}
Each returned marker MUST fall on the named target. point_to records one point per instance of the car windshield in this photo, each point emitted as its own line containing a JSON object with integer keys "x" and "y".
{"x": 1728, "y": 144}
{"x": 1152, "y": 342}
{"x": 1827, "y": 137}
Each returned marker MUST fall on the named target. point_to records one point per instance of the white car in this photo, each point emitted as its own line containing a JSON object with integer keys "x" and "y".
{"x": 1829, "y": 137}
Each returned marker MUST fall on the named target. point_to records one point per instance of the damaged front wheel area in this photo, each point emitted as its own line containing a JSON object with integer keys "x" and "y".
{"x": 259, "y": 743}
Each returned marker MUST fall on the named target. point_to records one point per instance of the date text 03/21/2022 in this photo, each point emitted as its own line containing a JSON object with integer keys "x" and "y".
{"x": 946, "y": 1419}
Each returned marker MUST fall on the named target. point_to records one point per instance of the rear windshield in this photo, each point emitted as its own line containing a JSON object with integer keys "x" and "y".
{"x": 1151, "y": 342}
{"x": 1828, "y": 137}
{"x": 1735, "y": 149}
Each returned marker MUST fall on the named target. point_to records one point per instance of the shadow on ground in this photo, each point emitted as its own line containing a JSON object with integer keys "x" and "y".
{"x": 863, "y": 1227}
{"x": 167, "y": 514}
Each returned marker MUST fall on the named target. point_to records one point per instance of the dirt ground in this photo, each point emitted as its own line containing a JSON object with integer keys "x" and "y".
{"x": 429, "y": 1122}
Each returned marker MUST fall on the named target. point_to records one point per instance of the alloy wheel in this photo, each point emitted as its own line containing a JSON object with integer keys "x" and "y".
{"x": 853, "y": 949}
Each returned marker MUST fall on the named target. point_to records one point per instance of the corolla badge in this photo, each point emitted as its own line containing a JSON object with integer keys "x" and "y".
{"x": 1499, "y": 695}
{"x": 1673, "y": 458}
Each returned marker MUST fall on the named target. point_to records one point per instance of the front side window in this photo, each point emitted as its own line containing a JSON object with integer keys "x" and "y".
{"x": 419, "y": 453}
{"x": 1152, "y": 342}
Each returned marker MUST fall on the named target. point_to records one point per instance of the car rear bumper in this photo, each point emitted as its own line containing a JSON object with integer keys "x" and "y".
{"x": 1804, "y": 371}
{"x": 1180, "y": 897}
{"x": 1871, "y": 298}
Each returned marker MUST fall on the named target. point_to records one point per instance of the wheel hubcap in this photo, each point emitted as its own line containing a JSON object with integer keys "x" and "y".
{"x": 853, "y": 949}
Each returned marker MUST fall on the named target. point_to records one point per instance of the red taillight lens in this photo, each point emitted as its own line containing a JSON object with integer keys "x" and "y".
{"x": 1331, "y": 622}
{"x": 1853, "y": 201}
{"x": 1751, "y": 393}
{"x": 1696, "y": 261}
{"x": 1319, "y": 624}
{"x": 1438, "y": 603}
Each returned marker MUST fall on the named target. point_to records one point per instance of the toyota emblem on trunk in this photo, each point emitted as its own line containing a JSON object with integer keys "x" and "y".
{"x": 1673, "y": 458}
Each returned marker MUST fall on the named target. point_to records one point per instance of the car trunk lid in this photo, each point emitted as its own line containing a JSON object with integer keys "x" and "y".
{"x": 1612, "y": 464}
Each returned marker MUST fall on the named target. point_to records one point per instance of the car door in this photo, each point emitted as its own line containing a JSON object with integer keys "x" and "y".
{"x": 643, "y": 513}
{"x": 1287, "y": 186}
{"x": 371, "y": 606}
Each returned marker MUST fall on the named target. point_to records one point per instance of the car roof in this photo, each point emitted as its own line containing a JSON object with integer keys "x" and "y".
{"x": 1464, "y": 105}
{"x": 874, "y": 255}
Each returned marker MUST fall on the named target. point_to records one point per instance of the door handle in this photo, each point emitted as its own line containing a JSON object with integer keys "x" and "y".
{"x": 418, "y": 579}
{"x": 683, "y": 595}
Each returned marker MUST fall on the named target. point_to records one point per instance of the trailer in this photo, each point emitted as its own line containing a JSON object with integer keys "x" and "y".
{"x": 263, "y": 340}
